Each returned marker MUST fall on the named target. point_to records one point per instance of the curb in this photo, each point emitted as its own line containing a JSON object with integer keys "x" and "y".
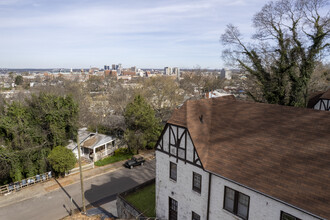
{"x": 67, "y": 178}
{"x": 107, "y": 170}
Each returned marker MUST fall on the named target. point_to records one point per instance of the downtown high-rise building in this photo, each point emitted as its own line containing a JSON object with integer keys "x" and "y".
{"x": 176, "y": 71}
{"x": 167, "y": 71}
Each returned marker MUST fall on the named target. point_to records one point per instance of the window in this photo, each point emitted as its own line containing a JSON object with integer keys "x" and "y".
{"x": 195, "y": 216}
{"x": 173, "y": 209}
{"x": 286, "y": 216}
{"x": 173, "y": 171}
{"x": 236, "y": 203}
{"x": 197, "y": 182}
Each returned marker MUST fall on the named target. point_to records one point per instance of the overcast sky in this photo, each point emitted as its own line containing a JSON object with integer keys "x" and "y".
{"x": 142, "y": 33}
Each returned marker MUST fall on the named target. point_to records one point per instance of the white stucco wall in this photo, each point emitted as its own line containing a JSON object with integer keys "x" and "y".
{"x": 261, "y": 207}
{"x": 180, "y": 190}
{"x": 322, "y": 104}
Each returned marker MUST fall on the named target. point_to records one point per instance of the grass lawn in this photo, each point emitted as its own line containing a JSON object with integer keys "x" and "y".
{"x": 144, "y": 200}
{"x": 118, "y": 156}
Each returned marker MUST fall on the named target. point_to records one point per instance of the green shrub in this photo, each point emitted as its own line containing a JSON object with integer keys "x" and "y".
{"x": 61, "y": 159}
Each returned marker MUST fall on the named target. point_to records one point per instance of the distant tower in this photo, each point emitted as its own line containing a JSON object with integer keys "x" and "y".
{"x": 176, "y": 71}
{"x": 119, "y": 68}
{"x": 133, "y": 68}
{"x": 225, "y": 74}
{"x": 167, "y": 71}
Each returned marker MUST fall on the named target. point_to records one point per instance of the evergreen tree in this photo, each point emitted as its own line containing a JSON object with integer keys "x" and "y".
{"x": 61, "y": 159}
{"x": 19, "y": 80}
{"x": 29, "y": 132}
{"x": 143, "y": 128}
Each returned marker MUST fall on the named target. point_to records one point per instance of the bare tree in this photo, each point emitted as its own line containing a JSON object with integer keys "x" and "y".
{"x": 200, "y": 81}
{"x": 320, "y": 80}
{"x": 163, "y": 94}
{"x": 291, "y": 36}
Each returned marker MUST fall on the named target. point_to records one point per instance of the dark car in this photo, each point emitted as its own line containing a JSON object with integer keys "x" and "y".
{"x": 134, "y": 161}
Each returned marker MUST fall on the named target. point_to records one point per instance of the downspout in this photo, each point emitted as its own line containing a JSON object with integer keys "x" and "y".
{"x": 208, "y": 197}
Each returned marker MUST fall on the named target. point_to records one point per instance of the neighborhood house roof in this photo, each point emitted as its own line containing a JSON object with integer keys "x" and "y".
{"x": 96, "y": 140}
{"x": 90, "y": 140}
{"x": 281, "y": 151}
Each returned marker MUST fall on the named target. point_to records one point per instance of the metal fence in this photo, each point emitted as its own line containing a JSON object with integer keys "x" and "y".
{"x": 17, "y": 186}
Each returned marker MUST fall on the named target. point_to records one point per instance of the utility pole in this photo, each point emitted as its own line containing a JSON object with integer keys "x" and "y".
{"x": 81, "y": 177}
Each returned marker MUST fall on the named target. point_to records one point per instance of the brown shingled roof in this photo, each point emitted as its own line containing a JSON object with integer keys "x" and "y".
{"x": 326, "y": 95}
{"x": 313, "y": 99}
{"x": 281, "y": 151}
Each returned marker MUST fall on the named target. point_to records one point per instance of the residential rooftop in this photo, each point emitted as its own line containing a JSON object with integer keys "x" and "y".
{"x": 282, "y": 152}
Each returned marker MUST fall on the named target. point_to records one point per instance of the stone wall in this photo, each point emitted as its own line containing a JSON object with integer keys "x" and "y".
{"x": 126, "y": 210}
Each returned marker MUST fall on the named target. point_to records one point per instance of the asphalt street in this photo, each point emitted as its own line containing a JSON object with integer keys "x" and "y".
{"x": 100, "y": 191}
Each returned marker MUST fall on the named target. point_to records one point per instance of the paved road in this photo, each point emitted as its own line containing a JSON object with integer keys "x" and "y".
{"x": 98, "y": 190}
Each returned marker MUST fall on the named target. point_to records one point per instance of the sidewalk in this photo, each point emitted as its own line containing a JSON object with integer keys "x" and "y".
{"x": 51, "y": 185}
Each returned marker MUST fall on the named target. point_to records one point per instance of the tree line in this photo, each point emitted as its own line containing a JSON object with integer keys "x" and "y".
{"x": 30, "y": 130}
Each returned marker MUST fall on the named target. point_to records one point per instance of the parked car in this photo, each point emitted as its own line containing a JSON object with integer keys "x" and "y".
{"x": 134, "y": 161}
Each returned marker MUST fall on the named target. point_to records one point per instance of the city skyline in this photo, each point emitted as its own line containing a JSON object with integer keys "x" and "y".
{"x": 146, "y": 34}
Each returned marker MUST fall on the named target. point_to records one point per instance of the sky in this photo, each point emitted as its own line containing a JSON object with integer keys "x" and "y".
{"x": 141, "y": 33}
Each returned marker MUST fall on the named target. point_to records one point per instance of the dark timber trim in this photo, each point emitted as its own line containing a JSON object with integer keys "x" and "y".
{"x": 186, "y": 161}
{"x": 160, "y": 139}
{"x": 177, "y": 142}
{"x": 185, "y": 147}
{"x": 325, "y": 103}
{"x": 201, "y": 164}
{"x": 208, "y": 197}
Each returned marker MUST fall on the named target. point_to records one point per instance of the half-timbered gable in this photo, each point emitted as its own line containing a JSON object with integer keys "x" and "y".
{"x": 323, "y": 104}
{"x": 176, "y": 142}
{"x": 320, "y": 101}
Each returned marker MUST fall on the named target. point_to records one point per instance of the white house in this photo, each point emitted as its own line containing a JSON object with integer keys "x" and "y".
{"x": 94, "y": 146}
{"x": 216, "y": 93}
{"x": 222, "y": 158}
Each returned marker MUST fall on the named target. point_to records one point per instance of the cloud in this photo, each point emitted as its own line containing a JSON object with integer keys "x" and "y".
{"x": 64, "y": 29}
{"x": 8, "y": 2}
